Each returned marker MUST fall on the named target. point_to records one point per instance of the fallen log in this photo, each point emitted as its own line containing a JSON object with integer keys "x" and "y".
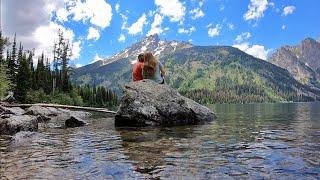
{"x": 102, "y": 110}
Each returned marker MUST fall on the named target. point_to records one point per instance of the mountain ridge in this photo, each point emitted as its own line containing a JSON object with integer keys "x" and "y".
{"x": 205, "y": 69}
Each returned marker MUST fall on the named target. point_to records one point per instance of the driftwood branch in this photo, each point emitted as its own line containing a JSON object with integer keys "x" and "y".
{"x": 102, "y": 110}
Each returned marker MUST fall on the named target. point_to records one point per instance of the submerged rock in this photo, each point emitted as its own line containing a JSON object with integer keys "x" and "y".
{"x": 146, "y": 103}
{"x": 15, "y": 123}
{"x": 74, "y": 121}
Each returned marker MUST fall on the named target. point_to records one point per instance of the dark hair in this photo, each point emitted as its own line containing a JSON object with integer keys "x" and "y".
{"x": 141, "y": 57}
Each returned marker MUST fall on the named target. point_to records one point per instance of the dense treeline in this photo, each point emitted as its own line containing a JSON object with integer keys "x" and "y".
{"x": 45, "y": 82}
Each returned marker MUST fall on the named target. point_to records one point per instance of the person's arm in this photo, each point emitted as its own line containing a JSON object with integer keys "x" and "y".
{"x": 162, "y": 71}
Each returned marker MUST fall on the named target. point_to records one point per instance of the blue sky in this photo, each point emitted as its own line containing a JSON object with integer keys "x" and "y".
{"x": 101, "y": 28}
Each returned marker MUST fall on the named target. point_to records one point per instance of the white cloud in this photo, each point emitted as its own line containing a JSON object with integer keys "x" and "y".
{"x": 187, "y": 31}
{"x": 283, "y": 27}
{"x": 117, "y": 6}
{"x": 221, "y": 7}
{"x": 99, "y": 12}
{"x": 196, "y": 13}
{"x": 93, "y": 34}
{"x": 36, "y": 30}
{"x": 288, "y": 10}
{"x": 78, "y": 65}
{"x": 256, "y": 9}
{"x": 45, "y": 36}
{"x": 201, "y": 3}
{"x": 242, "y": 37}
{"x": 156, "y": 25}
{"x": 173, "y": 9}
{"x": 76, "y": 49}
{"x": 214, "y": 31}
{"x": 136, "y": 27}
{"x": 122, "y": 38}
{"x": 124, "y": 19}
{"x": 257, "y": 51}
{"x": 231, "y": 26}
{"x": 62, "y": 14}
{"x": 96, "y": 58}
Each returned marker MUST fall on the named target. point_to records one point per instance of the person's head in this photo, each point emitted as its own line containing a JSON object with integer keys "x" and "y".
{"x": 149, "y": 66}
{"x": 140, "y": 57}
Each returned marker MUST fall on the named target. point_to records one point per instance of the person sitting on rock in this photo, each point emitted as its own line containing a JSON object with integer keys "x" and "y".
{"x": 137, "y": 69}
{"x": 152, "y": 69}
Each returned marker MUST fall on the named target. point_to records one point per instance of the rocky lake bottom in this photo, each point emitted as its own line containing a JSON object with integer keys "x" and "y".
{"x": 258, "y": 141}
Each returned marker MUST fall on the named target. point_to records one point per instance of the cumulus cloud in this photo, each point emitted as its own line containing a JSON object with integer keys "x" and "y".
{"x": 33, "y": 25}
{"x": 124, "y": 21}
{"x": 122, "y": 38}
{"x": 173, "y": 9}
{"x": 242, "y": 37}
{"x": 187, "y": 31}
{"x": 137, "y": 27}
{"x": 117, "y": 6}
{"x": 256, "y": 9}
{"x": 93, "y": 34}
{"x": 156, "y": 25}
{"x": 257, "y": 51}
{"x": 230, "y": 26}
{"x": 78, "y": 65}
{"x": 97, "y": 12}
{"x": 283, "y": 27}
{"x": 96, "y": 58}
{"x": 62, "y": 14}
{"x": 214, "y": 30}
{"x": 288, "y": 10}
{"x": 196, "y": 13}
{"x": 76, "y": 49}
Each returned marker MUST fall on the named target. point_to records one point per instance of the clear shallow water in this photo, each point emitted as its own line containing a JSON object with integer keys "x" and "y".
{"x": 260, "y": 141}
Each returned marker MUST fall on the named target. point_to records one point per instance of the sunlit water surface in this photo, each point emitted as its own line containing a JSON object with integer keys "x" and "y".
{"x": 260, "y": 141}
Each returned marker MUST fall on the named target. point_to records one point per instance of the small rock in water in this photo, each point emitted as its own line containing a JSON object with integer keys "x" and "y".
{"x": 74, "y": 121}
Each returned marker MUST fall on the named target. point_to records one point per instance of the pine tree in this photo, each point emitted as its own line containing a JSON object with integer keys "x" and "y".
{"x": 23, "y": 80}
{"x": 3, "y": 43}
{"x": 12, "y": 63}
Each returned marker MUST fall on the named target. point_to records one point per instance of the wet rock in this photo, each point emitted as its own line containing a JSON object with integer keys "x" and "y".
{"x": 42, "y": 118}
{"x": 16, "y": 123}
{"x": 74, "y": 121}
{"x": 146, "y": 103}
{"x": 38, "y": 110}
{"x": 11, "y": 110}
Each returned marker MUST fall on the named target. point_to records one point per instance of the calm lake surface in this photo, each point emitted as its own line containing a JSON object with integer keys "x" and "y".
{"x": 257, "y": 141}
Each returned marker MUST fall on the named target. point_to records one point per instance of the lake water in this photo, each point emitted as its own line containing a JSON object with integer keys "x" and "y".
{"x": 257, "y": 141}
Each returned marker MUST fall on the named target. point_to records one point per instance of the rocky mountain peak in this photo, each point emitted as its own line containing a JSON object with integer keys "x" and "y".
{"x": 150, "y": 43}
{"x": 302, "y": 60}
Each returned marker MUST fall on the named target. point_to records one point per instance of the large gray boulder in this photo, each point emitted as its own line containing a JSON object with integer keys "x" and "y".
{"x": 11, "y": 110}
{"x": 43, "y": 111}
{"x": 146, "y": 103}
{"x": 12, "y": 124}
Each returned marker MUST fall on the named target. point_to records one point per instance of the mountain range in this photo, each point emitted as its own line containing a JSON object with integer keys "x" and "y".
{"x": 211, "y": 74}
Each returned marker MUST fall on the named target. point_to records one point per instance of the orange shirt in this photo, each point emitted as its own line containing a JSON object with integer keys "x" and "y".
{"x": 137, "y": 71}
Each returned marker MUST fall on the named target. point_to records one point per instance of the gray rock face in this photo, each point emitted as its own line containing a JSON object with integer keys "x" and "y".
{"x": 146, "y": 103}
{"x": 302, "y": 61}
{"x": 15, "y": 123}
